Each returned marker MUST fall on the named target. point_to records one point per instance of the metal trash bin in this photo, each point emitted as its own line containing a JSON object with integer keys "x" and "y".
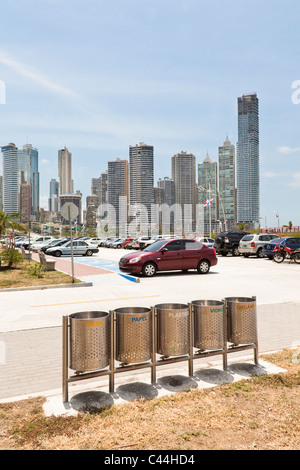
{"x": 173, "y": 329}
{"x": 208, "y": 317}
{"x": 241, "y": 320}
{"x": 89, "y": 340}
{"x": 133, "y": 334}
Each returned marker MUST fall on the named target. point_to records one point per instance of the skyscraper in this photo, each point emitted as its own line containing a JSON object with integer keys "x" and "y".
{"x": 248, "y": 159}
{"x": 10, "y": 178}
{"x": 117, "y": 187}
{"x": 184, "y": 176}
{"x": 227, "y": 189}
{"x": 53, "y": 195}
{"x": 141, "y": 178}
{"x": 65, "y": 171}
{"x": 208, "y": 190}
{"x": 29, "y": 172}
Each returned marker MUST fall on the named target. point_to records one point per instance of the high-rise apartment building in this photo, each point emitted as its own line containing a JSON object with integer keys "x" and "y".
{"x": 184, "y": 176}
{"x": 227, "y": 188}
{"x": 24, "y": 202}
{"x": 10, "y": 178}
{"x": 65, "y": 171}
{"x": 248, "y": 159}
{"x": 118, "y": 190}
{"x": 29, "y": 172}
{"x": 53, "y": 195}
{"x": 92, "y": 203}
{"x": 208, "y": 191}
{"x": 168, "y": 186}
{"x": 141, "y": 177}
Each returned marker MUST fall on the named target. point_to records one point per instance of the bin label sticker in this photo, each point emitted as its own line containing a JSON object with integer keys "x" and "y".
{"x": 243, "y": 307}
{"x": 178, "y": 314}
{"x": 143, "y": 318}
{"x": 95, "y": 323}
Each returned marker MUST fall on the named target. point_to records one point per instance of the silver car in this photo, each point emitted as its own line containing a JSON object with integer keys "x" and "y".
{"x": 80, "y": 247}
{"x": 252, "y": 244}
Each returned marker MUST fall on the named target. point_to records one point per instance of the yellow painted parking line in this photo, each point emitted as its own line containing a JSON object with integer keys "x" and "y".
{"x": 91, "y": 301}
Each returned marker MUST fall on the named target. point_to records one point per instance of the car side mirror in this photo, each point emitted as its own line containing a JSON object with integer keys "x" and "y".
{"x": 164, "y": 250}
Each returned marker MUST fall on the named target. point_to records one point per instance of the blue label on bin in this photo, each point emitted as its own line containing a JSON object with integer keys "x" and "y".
{"x": 143, "y": 318}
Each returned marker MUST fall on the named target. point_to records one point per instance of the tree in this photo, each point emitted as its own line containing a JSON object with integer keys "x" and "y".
{"x": 290, "y": 225}
{"x": 8, "y": 221}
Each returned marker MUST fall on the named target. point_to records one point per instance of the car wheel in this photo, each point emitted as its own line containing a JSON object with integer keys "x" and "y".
{"x": 57, "y": 253}
{"x": 149, "y": 269}
{"x": 203, "y": 267}
{"x": 235, "y": 252}
{"x": 259, "y": 253}
{"x": 89, "y": 253}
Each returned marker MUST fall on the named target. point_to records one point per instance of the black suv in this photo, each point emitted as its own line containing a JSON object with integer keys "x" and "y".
{"x": 228, "y": 242}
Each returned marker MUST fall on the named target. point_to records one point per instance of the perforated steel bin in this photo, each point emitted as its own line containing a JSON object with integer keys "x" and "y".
{"x": 241, "y": 320}
{"x": 208, "y": 316}
{"x": 89, "y": 340}
{"x": 173, "y": 329}
{"x": 133, "y": 334}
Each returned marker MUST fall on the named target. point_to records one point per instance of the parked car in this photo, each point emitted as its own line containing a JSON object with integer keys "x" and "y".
{"x": 169, "y": 255}
{"x": 108, "y": 241}
{"x": 228, "y": 242}
{"x": 290, "y": 242}
{"x": 54, "y": 243}
{"x": 37, "y": 245}
{"x": 206, "y": 241}
{"x": 131, "y": 245}
{"x": 36, "y": 240}
{"x": 126, "y": 241}
{"x": 253, "y": 243}
{"x": 117, "y": 243}
{"x": 80, "y": 247}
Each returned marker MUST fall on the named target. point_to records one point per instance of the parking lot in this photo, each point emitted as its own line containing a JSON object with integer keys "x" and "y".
{"x": 30, "y": 321}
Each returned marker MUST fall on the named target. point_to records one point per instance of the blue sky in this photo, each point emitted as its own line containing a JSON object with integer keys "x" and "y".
{"x": 98, "y": 76}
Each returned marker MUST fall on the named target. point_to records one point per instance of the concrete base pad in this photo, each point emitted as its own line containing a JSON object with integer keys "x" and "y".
{"x": 136, "y": 385}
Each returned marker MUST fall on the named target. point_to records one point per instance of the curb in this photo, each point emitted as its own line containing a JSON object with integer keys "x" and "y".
{"x": 53, "y": 286}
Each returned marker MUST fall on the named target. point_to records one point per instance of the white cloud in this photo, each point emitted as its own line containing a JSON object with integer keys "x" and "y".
{"x": 288, "y": 150}
{"x": 27, "y": 71}
{"x": 296, "y": 181}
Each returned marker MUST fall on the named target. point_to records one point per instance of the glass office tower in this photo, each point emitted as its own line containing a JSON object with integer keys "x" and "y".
{"x": 248, "y": 159}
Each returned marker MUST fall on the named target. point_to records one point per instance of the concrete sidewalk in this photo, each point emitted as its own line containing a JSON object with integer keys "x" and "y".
{"x": 31, "y": 321}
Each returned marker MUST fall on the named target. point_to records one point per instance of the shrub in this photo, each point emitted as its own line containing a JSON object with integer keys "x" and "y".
{"x": 11, "y": 257}
{"x": 36, "y": 270}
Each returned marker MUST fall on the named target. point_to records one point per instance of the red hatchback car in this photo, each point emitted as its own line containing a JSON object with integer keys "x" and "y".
{"x": 168, "y": 255}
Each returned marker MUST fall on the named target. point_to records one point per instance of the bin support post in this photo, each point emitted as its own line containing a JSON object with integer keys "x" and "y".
{"x": 225, "y": 363}
{"x": 191, "y": 335}
{"x": 112, "y": 348}
{"x": 65, "y": 360}
{"x": 153, "y": 358}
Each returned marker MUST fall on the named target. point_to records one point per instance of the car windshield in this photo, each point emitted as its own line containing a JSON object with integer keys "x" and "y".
{"x": 247, "y": 238}
{"x": 155, "y": 246}
{"x": 276, "y": 240}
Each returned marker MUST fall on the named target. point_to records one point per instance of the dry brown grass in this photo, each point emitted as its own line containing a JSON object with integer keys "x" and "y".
{"x": 259, "y": 413}
{"x": 20, "y": 276}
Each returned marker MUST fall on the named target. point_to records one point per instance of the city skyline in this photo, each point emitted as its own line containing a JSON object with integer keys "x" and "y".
{"x": 99, "y": 92}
